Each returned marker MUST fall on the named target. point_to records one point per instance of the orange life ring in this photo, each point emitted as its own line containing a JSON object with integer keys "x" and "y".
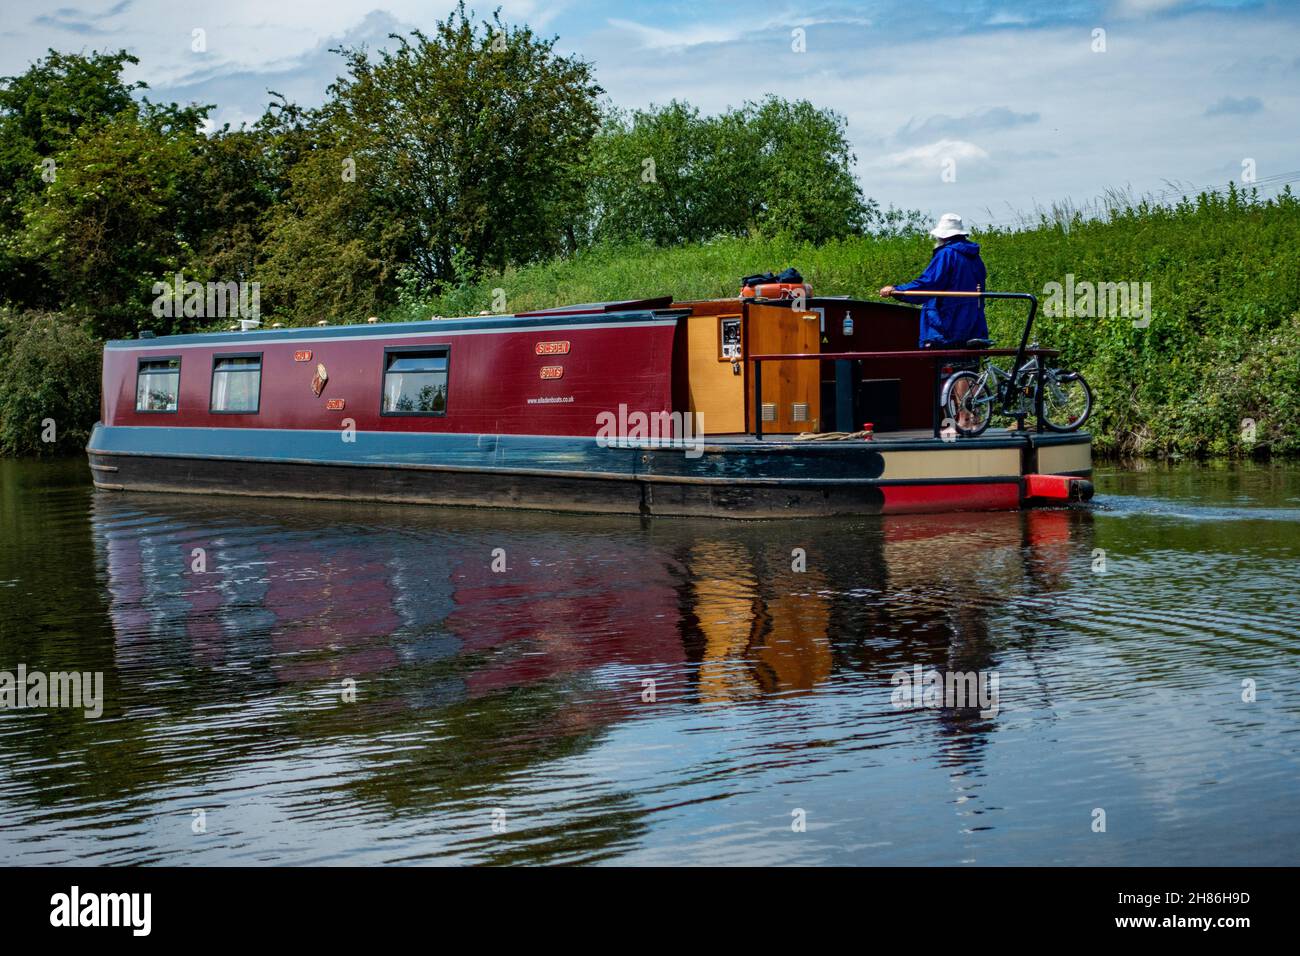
{"x": 777, "y": 290}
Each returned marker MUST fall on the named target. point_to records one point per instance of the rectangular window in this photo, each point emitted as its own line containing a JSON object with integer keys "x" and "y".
{"x": 415, "y": 382}
{"x": 236, "y": 383}
{"x": 158, "y": 385}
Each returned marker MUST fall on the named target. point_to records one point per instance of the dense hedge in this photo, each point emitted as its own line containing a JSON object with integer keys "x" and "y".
{"x": 49, "y": 384}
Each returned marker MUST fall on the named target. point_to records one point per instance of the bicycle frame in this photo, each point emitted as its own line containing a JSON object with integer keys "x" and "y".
{"x": 1009, "y": 385}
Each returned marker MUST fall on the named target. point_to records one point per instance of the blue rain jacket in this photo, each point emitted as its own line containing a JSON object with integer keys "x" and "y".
{"x": 955, "y": 267}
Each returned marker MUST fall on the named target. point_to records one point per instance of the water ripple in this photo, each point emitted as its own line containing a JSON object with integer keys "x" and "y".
{"x": 332, "y": 683}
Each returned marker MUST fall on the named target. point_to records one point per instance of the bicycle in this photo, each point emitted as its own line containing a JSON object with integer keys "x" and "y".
{"x": 1063, "y": 404}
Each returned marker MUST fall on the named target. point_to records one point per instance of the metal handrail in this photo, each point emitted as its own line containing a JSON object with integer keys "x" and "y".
{"x": 1020, "y": 352}
{"x": 1024, "y": 336}
{"x": 902, "y": 353}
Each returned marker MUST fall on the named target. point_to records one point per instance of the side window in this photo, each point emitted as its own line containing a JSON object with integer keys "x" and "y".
{"x": 158, "y": 385}
{"x": 415, "y": 382}
{"x": 236, "y": 383}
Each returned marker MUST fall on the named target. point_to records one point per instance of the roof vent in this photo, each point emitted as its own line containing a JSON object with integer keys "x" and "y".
{"x": 146, "y": 334}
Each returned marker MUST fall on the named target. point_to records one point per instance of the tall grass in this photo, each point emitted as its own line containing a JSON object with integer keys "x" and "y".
{"x": 1221, "y": 350}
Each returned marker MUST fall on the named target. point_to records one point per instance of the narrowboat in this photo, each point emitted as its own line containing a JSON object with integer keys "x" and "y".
{"x": 744, "y": 408}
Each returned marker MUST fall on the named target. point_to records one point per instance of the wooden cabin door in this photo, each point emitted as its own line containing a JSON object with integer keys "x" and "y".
{"x": 716, "y": 392}
{"x": 794, "y": 388}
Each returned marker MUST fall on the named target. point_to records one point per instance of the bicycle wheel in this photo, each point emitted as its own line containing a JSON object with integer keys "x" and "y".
{"x": 1065, "y": 402}
{"x": 968, "y": 403}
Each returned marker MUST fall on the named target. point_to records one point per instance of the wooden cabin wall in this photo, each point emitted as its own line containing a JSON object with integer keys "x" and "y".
{"x": 714, "y": 390}
{"x": 771, "y": 329}
{"x": 703, "y": 383}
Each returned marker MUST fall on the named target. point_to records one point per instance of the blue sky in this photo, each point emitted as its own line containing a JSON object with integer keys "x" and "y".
{"x": 1013, "y": 101}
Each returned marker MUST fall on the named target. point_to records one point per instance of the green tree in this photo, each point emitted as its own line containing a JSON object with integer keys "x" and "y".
{"x": 669, "y": 175}
{"x": 119, "y": 216}
{"x": 42, "y": 110}
{"x": 245, "y": 173}
{"x": 331, "y": 252}
{"x": 466, "y": 149}
{"x": 807, "y": 188}
{"x": 49, "y": 373}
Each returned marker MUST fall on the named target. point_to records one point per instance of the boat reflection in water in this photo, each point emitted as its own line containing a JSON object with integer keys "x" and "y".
{"x": 487, "y": 649}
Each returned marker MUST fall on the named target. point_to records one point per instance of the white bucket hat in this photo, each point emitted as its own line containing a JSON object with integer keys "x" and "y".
{"x": 949, "y": 225}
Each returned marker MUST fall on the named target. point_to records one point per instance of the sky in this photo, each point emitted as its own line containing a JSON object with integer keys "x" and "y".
{"x": 988, "y": 109}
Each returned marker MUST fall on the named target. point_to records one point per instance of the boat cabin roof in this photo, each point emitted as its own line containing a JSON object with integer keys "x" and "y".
{"x": 540, "y": 321}
{"x": 662, "y": 309}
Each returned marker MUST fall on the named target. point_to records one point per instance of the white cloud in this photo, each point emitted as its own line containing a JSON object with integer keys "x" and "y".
{"x": 1141, "y": 8}
{"x": 241, "y": 34}
{"x": 1136, "y": 114}
{"x": 670, "y": 38}
{"x": 1005, "y": 18}
{"x": 933, "y": 155}
{"x": 685, "y": 34}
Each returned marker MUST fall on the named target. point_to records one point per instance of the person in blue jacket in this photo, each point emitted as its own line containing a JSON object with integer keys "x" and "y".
{"x": 955, "y": 266}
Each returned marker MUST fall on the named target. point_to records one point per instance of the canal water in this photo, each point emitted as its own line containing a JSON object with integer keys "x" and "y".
{"x": 325, "y": 683}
